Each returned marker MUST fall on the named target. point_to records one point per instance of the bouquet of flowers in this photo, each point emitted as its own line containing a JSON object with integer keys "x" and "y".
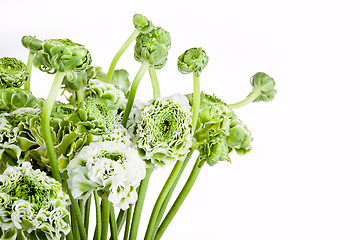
{"x": 98, "y": 149}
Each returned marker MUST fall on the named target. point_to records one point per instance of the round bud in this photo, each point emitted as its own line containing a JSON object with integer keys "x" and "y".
{"x": 193, "y": 60}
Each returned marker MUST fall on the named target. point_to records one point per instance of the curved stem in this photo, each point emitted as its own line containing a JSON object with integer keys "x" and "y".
{"x": 155, "y": 83}
{"x": 105, "y": 211}
{"x": 196, "y": 102}
{"x": 45, "y": 122}
{"x": 97, "y": 234}
{"x": 134, "y": 85}
{"x": 29, "y": 69}
{"x": 159, "y": 202}
{"x": 119, "y": 53}
{"x": 139, "y": 204}
{"x": 168, "y": 196}
{"x": 180, "y": 199}
{"x": 250, "y": 98}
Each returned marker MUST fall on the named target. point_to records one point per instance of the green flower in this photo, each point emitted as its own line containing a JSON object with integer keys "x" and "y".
{"x": 142, "y": 24}
{"x": 62, "y": 55}
{"x": 63, "y": 111}
{"x": 32, "y": 205}
{"x": 193, "y": 60}
{"x": 14, "y": 98}
{"x": 219, "y": 131}
{"x": 265, "y": 85}
{"x": 159, "y": 34}
{"x": 13, "y": 72}
{"x": 10, "y": 151}
{"x": 68, "y": 138}
{"x": 153, "y": 47}
{"x": 163, "y": 130}
{"x": 96, "y": 116}
{"x": 112, "y": 168}
{"x": 214, "y": 148}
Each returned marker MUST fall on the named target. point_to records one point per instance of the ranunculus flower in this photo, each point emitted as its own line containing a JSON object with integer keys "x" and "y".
{"x": 32, "y": 205}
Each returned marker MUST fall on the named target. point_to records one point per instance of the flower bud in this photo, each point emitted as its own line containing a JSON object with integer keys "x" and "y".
{"x": 31, "y": 43}
{"x": 266, "y": 84}
{"x": 193, "y": 60}
{"x": 151, "y": 51}
{"x": 142, "y": 24}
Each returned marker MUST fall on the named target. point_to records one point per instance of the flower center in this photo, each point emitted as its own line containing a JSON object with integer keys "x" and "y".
{"x": 115, "y": 156}
{"x": 166, "y": 126}
{"x": 31, "y": 191}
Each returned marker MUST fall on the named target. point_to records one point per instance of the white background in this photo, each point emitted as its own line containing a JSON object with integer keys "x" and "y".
{"x": 301, "y": 180}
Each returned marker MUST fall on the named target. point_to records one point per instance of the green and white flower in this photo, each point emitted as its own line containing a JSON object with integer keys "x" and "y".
{"x": 32, "y": 205}
{"x": 112, "y": 168}
{"x": 119, "y": 134}
{"x": 96, "y": 116}
{"x": 113, "y": 97}
{"x": 163, "y": 130}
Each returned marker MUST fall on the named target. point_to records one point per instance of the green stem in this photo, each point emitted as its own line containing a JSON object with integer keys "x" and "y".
{"x": 196, "y": 102}
{"x": 134, "y": 85}
{"x": 120, "y": 220}
{"x": 139, "y": 204}
{"x": 169, "y": 182}
{"x": 180, "y": 199}
{"x": 69, "y": 236}
{"x": 168, "y": 196}
{"x": 105, "y": 211}
{"x": 45, "y": 122}
{"x": 81, "y": 207}
{"x": 97, "y": 234}
{"x": 87, "y": 215}
{"x": 80, "y": 95}
{"x": 113, "y": 230}
{"x": 155, "y": 83}
{"x": 74, "y": 228}
{"x": 77, "y": 215}
{"x": 119, "y": 53}
{"x": 29, "y": 69}
{"x": 128, "y": 222}
{"x": 250, "y": 98}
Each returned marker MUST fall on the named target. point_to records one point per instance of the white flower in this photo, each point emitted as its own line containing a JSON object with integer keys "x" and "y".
{"x": 112, "y": 168}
